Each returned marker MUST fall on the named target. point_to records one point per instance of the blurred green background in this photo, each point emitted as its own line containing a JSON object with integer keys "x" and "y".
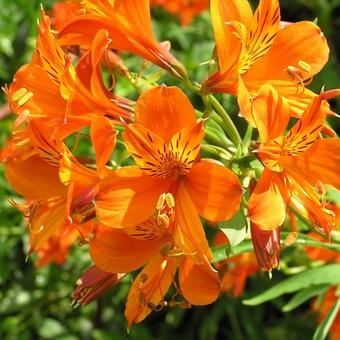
{"x": 36, "y": 303}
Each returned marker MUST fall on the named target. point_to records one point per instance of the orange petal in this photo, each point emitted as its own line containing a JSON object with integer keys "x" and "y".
{"x": 262, "y": 32}
{"x": 321, "y": 162}
{"x": 148, "y": 289}
{"x": 269, "y": 112}
{"x": 165, "y": 111}
{"x": 46, "y": 220}
{"x": 127, "y": 197}
{"x": 134, "y": 17}
{"x": 297, "y": 96}
{"x": 200, "y": 284}
{"x": 41, "y": 138}
{"x": 82, "y": 29}
{"x": 215, "y": 190}
{"x": 103, "y": 136}
{"x": 228, "y": 45}
{"x": 64, "y": 12}
{"x": 186, "y": 144}
{"x": 90, "y": 88}
{"x": 42, "y": 97}
{"x": 73, "y": 171}
{"x": 221, "y": 83}
{"x": 53, "y": 59}
{"x": 267, "y": 203}
{"x": 188, "y": 232}
{"x": 129, "y": 25}
{"x": 145, "y": 147}
{"x": 312, "y": 209}
{"x": 56, "y": 249}
{"x": 307, "y": 128}
{"x": 114, "y": 251}
{"x": 301, "y": 41}
{"x": 34, "y": 178}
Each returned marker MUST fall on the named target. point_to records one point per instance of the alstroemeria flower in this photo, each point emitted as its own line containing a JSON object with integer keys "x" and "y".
{"x": 52, "y": 90}
{"x": 186, "y": 10}
{"x": 59, "y": 189}
{"x": 153, "y": 244}
{"x": 295, "y": 163}
{"x": 129, "y": 25}
{"x": 252, "y": 49}
{"x": 165, "y": 143}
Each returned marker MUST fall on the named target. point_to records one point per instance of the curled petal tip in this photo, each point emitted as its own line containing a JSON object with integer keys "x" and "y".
{"x": 330, "y": 94}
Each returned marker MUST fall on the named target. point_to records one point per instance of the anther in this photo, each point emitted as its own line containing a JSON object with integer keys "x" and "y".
{"x": 304, "y": 66}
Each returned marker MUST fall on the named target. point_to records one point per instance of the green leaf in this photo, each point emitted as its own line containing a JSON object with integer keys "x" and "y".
{"x": 329, "y": 274}
{"x": 235, "y": 229}
{"x": 324, "y": 327}
{"x": 304, "y": 295}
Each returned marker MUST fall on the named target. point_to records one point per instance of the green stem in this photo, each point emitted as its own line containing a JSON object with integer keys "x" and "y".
{"x": 196, "y": 88}
{"x": 221, "y": 252}
{"x": 211, "y": 138}
{"x": 208, "y": 112}
{"x": 216, "y": 151}
{"x": 228, "y": 125}
{"x": 247, "y": 138}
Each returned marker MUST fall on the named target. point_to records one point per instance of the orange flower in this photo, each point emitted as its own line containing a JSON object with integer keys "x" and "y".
{"x": 59, "y": 189}
{"x": 129, "y": 25}
{"x": 252, "y": 49}
{"x": 154, "y": 246}
{"x": 295, "y": 164}
{"x": 52, "y": 90}
{"x": 185, "y": 9}
{"x": 165, "y": 143}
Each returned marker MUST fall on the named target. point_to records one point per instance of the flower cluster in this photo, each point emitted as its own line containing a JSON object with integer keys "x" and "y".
{"x": 145, "y": 191}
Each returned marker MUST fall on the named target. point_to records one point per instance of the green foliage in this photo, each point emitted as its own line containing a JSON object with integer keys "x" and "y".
{"x": 304, "y": 295}
{"x": 328, "y": 274}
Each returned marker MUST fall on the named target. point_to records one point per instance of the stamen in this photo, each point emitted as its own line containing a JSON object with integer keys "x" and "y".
{"x": 296, "y": 73}
{"x": 22, "y": 96}
{"x": 304, "y": 66}
{"x": 19, "y": 94}
{"x": 25, "y": 98}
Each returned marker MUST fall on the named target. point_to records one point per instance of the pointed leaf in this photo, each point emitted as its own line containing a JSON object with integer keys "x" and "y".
{"x": 327, "y": 274}
{"x": 304, "y": 295}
